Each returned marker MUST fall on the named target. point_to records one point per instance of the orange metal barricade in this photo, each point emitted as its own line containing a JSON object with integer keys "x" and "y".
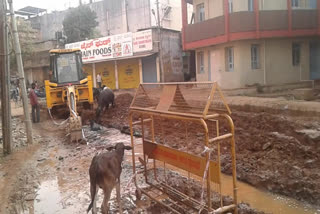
{"x": 178, "y": 122}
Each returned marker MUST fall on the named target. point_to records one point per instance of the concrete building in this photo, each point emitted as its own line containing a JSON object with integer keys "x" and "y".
{"x": 126, "y": 60}
{"x": 36, "y": 66}
{"x": 245, "y": 42}
{"x": 118, "y": 16}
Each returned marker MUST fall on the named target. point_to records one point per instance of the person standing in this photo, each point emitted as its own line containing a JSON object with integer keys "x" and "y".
{"x": 34, "y": 104}
{"x": 99, "y": 80}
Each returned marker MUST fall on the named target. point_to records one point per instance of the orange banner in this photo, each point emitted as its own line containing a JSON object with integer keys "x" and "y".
{"x": 191, "y": 163}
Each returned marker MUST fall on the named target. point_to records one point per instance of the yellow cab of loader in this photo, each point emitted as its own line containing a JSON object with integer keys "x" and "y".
{"x": 68, "y": 87}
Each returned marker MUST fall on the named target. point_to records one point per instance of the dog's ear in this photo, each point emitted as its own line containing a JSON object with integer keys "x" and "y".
{"x": 127, "y": 147}
{"x": 109, "y": 148}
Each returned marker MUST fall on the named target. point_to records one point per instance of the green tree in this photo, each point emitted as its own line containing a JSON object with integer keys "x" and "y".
{"x": 79, "y": 24}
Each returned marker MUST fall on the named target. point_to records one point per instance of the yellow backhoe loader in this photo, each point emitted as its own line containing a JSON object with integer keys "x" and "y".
{"x": 68, "y": 87}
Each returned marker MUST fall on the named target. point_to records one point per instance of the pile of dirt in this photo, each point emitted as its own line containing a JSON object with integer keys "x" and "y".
{"x": 273, "y": 153}
{"x": 117, "y": 117}
{"x": 276, "y": 153}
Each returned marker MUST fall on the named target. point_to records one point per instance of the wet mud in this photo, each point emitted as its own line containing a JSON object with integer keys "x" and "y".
{"x": 274, "y": 154}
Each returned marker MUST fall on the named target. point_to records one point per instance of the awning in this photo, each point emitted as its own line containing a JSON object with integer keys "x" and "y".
{"x": 138, "y": 55}
{"x": 29, "y": 11}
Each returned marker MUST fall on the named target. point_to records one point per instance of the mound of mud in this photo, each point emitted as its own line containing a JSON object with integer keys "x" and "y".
{"x": 117, "y": 117}
{"x": 272, "y": 152}
{"x": 276, "y": 153}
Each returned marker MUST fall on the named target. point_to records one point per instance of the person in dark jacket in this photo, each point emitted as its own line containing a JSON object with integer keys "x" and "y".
{"x": 34, "y": 104}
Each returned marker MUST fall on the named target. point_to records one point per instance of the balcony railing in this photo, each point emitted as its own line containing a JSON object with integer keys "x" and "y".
{"x": 269, "y": 22}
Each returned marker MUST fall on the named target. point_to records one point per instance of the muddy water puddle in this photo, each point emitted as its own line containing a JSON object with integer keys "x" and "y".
{"x": 265, "y": 201}
{"x": 55, "y": 196}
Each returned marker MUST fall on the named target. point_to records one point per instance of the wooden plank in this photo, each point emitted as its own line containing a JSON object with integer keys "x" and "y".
{"x": 185, "y": 161}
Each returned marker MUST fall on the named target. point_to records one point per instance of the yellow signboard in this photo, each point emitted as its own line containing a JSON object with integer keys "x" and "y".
{"x": 128, "y": 71}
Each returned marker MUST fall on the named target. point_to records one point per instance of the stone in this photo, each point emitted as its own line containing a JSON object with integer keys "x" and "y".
{"x": 266, "y": 146}
{"x": 199, "y": 134}
{"x": 30, "y": 197}
{"x": 60, "y": 158}
{"x": 311, "y": 133}
{"x": 304, "y": 94}
{"x": 137, "y": 134}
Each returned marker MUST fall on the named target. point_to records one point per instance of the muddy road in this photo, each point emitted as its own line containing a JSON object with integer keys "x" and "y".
{"x": 277, "y": 153}
{"x": 274, "y": 154}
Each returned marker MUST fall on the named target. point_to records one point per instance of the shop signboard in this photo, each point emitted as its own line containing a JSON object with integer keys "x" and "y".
{"x": 142, "y": 41}
{"x": 94, "y": 49}
{"x": 122, "y": 45}
{"x": 104, "y": 48}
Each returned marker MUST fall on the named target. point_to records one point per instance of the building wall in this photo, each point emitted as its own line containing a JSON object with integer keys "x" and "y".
{"x": 275, "y": 59}
{"x": 279, "y": 61}
{"x": 136, "y": 10}
{"x": 171, "y": 56}
{"x": 213, "y": 8}
{"x": 48, "y": 24}
{"x": 273, "y": 5}
{"x": 102, "y": 18}
{"x": 215, "y": 65}
{"x": 114, "y": 19}
{"x": 173, "y": 21}
{"x": 240, "y": 5}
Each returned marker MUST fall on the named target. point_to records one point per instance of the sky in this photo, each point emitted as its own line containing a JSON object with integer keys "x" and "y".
{"x": 50, "y": 5}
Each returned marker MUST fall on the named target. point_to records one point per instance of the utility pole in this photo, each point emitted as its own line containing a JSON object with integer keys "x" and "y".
{"x": 127, "y": 20}
{"x": 5, "y": 80}
{"x": 17, "y": 49}
{"x": 160, "y": 43}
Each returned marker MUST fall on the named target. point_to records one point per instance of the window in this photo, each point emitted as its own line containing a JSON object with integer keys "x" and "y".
{"x": 200, "y": 12}
{"x": 296, "y": 54}
{"x": 230, "y": 6}
{"x": 255, "y": 56}
{"x": 250, "y": 5}
{"x": 295, "y": 3}
{"x": 67, "y": 68}
{"x": 200, "y": 63}
{"x": 313, "y": 4}
{"x": 229, "y": 59}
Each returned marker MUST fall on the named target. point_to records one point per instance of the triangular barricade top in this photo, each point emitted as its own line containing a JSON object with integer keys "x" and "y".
{"x": 171, "y": 94}
{"x": 216, "y": 102}
{"x": 141, "y": 99}
{"x": 198, "y": 99}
